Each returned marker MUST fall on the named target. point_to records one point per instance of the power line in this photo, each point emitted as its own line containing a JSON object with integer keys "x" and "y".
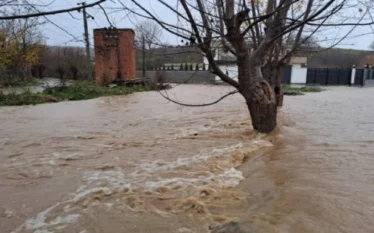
{"x": 70, "y": 24}
{"x": 50, "y": 12}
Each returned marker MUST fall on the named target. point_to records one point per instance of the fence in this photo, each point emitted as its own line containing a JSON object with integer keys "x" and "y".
{"x": 306, "y": 76}
{"x": 329, "y": 76}
{"x": 193, "y": 76}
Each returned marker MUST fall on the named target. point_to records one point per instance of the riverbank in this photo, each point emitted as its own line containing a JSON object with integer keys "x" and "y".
{"x": 76, "y": 90}
{"x": 29, "y": 94}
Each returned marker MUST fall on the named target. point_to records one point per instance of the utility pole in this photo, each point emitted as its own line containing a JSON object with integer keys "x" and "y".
{"x": 87, "y": 40}
{"x": 143, "y": 57}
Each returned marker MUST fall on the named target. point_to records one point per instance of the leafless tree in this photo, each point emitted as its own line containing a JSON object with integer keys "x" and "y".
{"x": 69, "y": 59}
{"x": 371, "y": 46}
{"x": 150, "y": 33}
{"x": 265, "y": 25}
{"x": 19, "y": 32}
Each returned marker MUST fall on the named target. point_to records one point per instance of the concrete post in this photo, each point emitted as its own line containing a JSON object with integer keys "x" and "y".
{"x": 353, "y": 75}
{"x": 366, "y": 72}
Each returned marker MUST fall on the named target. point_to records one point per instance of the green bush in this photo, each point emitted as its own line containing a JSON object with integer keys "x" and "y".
{"x": 191, "y": 67}
{"x": 79, "y": 90}
{"x": 197, "y": 67}
{"x": 186, "y": 66}
{"x": 181, "y": 67}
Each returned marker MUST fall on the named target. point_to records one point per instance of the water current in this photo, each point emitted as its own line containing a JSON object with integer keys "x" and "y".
{"x": 140, "y": 164}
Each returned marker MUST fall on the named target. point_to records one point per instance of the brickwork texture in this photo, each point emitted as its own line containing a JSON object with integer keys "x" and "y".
{"x": 114, "y": 55}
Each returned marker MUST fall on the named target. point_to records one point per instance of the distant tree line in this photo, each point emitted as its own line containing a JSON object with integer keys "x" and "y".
{"x": 23, "y": 50}
{"x": 61, "y": 62}
{"x": 20, "y": 44}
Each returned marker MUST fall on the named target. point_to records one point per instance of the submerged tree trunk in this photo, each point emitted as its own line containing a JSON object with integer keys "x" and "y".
{"x": 260, "y": 99}
{"x": 263, "y": 111}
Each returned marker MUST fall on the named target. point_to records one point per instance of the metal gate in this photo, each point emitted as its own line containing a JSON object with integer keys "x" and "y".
{"x": 359, "y": 77}
{"x": 287, "y": 72}
{"x": 334, "y": 76}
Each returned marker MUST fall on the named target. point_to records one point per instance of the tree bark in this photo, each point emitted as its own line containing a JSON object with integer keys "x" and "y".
{"x": 260, "y": 99}
{"x": 272, "y": 73}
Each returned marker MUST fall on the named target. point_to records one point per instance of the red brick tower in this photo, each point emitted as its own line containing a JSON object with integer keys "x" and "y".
{"x": 114, "y": 55}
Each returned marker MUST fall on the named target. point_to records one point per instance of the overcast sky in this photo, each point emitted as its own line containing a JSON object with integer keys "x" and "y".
{"x": 69, "y": 29}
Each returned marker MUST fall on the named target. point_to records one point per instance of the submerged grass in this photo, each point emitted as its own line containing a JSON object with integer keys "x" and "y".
{"x": 300, "y": 90}
{"x": 78, "y": 90}
{"x": 21, "y": 83}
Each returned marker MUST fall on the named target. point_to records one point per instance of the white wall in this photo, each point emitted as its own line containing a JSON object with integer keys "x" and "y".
{"x": 353, "y": 75}
{"x": 232, "y": 71}
{"x": 298, "y": 74}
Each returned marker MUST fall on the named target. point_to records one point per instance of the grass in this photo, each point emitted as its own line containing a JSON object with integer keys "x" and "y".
{"x": 28, "y": 82}
{"x": 78, "y": 90}
{"x": 300, "y": 90}
{"x": 26, "y": 98}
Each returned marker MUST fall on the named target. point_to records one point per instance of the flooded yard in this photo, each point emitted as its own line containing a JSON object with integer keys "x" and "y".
{"x": 137, "y": 163}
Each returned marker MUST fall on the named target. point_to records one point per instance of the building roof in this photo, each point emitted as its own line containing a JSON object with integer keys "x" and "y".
{"x": 113, "y": 28}
{"x": 298, "y": 60}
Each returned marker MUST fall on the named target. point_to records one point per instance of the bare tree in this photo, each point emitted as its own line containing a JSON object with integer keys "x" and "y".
{"x": 21, "y": 41}
{"x": 264, "y": 25}
{"x": 367, "y": 61}
{"x": 371, "y": 46}
{"x": 71, "y": 60}
{"x": 150, "y": 33}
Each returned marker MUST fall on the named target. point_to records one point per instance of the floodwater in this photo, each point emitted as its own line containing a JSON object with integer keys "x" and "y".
{"x": 140, "y": 164}
{"x": 42, "y": 84}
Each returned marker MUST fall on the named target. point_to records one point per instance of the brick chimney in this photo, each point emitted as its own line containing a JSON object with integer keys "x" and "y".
{"x": 114, "y": 55}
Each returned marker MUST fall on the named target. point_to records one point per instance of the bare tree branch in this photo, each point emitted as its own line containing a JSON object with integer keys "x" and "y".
{"x": 198, "y": 105}
{"x": 51, "y": 12}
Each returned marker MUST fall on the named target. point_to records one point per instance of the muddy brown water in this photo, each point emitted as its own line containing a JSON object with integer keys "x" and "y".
{"x": 140, "y": 164}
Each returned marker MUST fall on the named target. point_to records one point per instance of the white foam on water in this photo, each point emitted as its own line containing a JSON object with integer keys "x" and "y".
{"x": 152, "y": 167}
{"x": 171, "y": 183}
{"x": 43, "y": 231}
{"x": 40, "y": 225}
{"x": 227, "y": 179}
{"x": 146, "y": 177}
{"x": 39, "y": 220}
{"x": 230, "y": 178}
{"x": 86, "y": 192}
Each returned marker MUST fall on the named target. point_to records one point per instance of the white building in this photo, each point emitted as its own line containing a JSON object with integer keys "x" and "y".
{"x": 227, "y": 63}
